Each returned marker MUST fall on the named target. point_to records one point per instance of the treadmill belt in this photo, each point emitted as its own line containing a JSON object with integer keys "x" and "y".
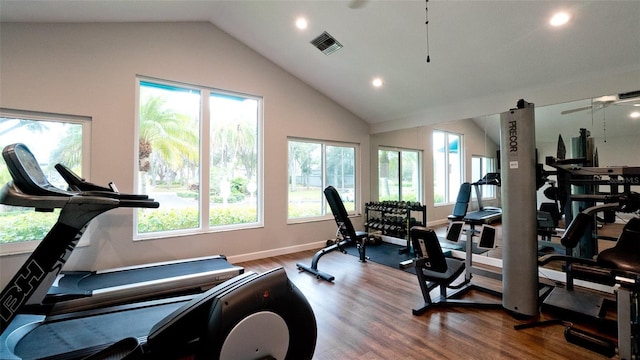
{"x": 60, "y": 337}
{"x": 137, "y": 275}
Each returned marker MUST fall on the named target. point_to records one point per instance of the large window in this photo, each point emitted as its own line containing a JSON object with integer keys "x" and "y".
{"x": 480, "y": 166}
{"x": 198, "y": 156}
{"x": 447, "y": 166}
{"x": 399, "y": 175}
{"x": 52, "y": 139}
{"x": 313, "y": 166}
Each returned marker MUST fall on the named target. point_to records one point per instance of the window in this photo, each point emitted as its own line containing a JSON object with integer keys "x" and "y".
{"x": 52, "y": 139}
{"x": 447, "y": 166}
{"x": 315, "y": 165}
{"x": 399, "y": 175}
{"x": 198, "y": 157}
{"x": 480, "y": 166}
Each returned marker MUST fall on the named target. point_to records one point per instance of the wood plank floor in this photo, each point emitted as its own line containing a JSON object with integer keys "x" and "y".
{"x": 366, "y": 314}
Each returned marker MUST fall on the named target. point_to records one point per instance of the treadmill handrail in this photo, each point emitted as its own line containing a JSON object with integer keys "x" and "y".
{"x": 78, "y": 184}
{"x": 10, "y": 194}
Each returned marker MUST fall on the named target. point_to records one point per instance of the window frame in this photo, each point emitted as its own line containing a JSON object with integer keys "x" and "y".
{"x": 400, "y": 152}
{"x": 22, "y": 247}
{"x": 449, "y": 197}
{"x": 326, "y": 211}
{"x": 206, "y": 92}
{"x": 491, "y": 194}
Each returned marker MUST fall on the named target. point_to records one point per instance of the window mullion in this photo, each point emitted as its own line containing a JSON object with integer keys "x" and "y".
{"x": 323, "y": 166}
{"x": 400, "y": 165}
{"x": 205, "y": 158}
{"x": 447, "y": 168}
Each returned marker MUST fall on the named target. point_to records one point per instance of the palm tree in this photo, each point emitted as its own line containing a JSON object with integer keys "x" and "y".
{"x": 69, "y": 149}
{"x": 8, "y": 125}
{"x": 173, "y": 136}
{"x": 33, "y": 126}
{"x": 234, "y": 144}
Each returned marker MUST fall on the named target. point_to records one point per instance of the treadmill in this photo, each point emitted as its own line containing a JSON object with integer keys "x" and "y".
{"x": 249, "y": 316}
{"x": 82, "y": 290}
{"x": 484, "y": 214}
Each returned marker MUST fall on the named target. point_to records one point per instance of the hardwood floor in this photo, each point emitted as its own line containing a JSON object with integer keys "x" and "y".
{"x": 366, "y": 314}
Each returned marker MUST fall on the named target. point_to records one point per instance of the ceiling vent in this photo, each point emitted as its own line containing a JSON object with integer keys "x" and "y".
{"x": 326, "y": 43}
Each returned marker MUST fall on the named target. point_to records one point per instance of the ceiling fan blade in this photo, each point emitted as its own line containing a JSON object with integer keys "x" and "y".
{"x": 561, "y": 150}
{"x": 576, "y": 110}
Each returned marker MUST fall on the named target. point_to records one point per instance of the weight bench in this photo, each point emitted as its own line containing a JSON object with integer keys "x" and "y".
{"x": 346, "y": 231}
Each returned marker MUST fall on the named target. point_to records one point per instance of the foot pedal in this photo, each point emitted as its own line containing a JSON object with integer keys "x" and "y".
{"x": 406, "y": 264}
{"x": 590, "y": 341}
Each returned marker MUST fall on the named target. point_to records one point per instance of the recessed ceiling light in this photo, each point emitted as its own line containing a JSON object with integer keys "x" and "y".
{"x": 635, "y": 115}
{"x": 377, "y": 82}
{"x": 559, "y": 19}
{"x": 301, "y": 23}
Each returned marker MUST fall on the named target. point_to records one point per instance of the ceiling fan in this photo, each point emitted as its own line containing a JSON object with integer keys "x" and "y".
{"x": 628, "y": 98}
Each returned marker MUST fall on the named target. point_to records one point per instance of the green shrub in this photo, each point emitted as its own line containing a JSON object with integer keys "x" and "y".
{"x": 233, "y": 215}
{"x": 187, "y": 218}
{"x": 16, "y": 226}
{"x": 188, "y": 195}
{"x": 171, "y": 219}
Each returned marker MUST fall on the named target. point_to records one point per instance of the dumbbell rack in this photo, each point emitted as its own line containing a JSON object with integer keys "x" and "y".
{"x": 394, "y": 218}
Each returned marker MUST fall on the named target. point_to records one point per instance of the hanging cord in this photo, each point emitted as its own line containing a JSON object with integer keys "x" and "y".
{"x": 604, "y": 124}
{"x": 426, "y": 23}
{"x": 592, "y": 111}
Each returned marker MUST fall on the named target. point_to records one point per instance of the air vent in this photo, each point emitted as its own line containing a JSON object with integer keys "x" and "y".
{"x": 326, "y": 43}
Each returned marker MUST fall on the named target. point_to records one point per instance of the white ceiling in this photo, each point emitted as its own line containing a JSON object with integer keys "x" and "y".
{"x": 478, "y": 49}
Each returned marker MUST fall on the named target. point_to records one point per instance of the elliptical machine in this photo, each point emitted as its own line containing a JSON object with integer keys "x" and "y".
{"x": 252, "y": 316}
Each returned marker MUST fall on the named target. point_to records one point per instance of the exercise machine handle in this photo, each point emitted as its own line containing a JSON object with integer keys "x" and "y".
{"x": 78, "y": 184}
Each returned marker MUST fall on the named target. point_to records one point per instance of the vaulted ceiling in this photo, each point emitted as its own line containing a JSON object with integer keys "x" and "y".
{"x": 484, "y": 55}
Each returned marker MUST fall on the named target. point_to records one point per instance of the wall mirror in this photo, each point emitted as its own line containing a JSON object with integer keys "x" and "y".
{"x": 613, "y": 121}
{"x": 610, "y": 120}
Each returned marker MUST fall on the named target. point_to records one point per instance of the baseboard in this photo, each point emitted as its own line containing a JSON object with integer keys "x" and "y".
{"x": 276, "y": 252}
{"x": 437, "y": 222}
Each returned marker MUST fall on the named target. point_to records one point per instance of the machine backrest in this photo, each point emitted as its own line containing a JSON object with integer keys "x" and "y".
{"x": 462, "y": 201}
{"x": 426, "y": 244}
{"x": 340, "y": 213}
{"x": 552, "y": 209}
{"x": 625, "y": 255}
{"x": 545, "y": 220}
{"x": 455, "y": 231}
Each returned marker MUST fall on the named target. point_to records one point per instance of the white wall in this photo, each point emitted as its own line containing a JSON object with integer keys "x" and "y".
{"x": 90, "y": 70}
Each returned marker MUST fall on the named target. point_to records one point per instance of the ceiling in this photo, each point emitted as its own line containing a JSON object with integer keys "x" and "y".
{"x": 478, "y": 49}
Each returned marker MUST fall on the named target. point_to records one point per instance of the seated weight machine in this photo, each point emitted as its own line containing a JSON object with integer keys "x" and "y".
{"x": 618, "y": 266}
{"x": 434, "y": 269}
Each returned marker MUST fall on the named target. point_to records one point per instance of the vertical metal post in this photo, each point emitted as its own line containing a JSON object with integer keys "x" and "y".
{"x": 518, "y": 176}
{"x": 626, "y": 302}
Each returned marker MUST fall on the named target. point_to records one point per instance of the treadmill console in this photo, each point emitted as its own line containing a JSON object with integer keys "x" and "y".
{"x": 26, "y": 172}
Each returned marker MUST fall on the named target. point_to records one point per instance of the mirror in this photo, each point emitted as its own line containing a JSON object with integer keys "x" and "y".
{"x": 609, "y": 119}
{"x": 615, "y": 133}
